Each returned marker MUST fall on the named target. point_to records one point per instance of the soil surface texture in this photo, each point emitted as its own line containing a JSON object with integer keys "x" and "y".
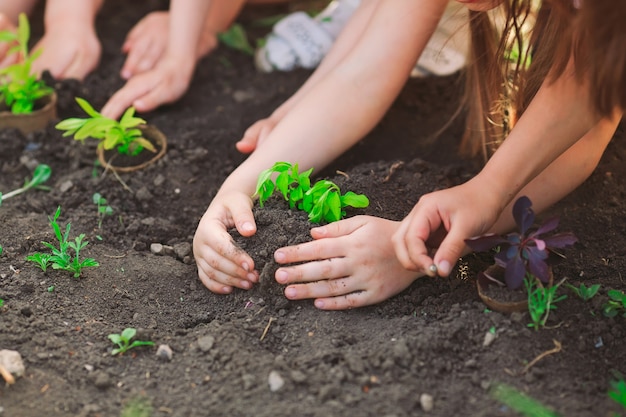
{"x": 432, "y": 350}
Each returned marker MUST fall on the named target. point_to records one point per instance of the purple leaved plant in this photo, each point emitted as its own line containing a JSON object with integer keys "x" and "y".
{"x": 526, "y": 250}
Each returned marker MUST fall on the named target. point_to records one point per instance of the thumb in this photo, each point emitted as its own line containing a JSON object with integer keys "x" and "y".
{"x": 340, "y": 228}
{"x": 450, "y": 250}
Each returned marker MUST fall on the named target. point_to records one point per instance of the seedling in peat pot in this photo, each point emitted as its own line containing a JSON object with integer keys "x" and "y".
{"x": 41, "y": 174}
{"x": 323, "y": 201}
{"x": 19, "y": 89}
{"x": 616, "y": 304}
{"x": 124, "y": 135}
{"x": 583, "y": 292}
{"x": 123, "y": 341}
{"x": 61, "y": 257}
{"x": 525, "y": 251}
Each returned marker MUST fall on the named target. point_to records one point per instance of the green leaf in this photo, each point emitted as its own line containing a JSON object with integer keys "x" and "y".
{"x": 40, "y": 175}
{"x": 23, "y": 32}
{"x": 128, "y": 333}
{"x": 354, "y": 200}
{"x": 235, "y": 37}
{"x": 145, "y": 143}
{"x": 84, "y": 104}
{"x": 333, "y": 206}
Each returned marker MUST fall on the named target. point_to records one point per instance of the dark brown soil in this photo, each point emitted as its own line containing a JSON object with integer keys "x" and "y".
{"x": 231, "y": 353}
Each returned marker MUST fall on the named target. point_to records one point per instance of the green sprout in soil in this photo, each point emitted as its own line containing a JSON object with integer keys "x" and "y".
{"x": 124, "y": 135}
{"x": 616, "y": 304}
{"x": 19, "y": 89}
{"x": 41, "y": 174}
{"x": 583, "y": 292}
{"x": 236, "y": 38}
{"x": 123, "y": 341}
{"x": 323, "y": 200}
{"x": 61, "y": 257}
{"x": 103, "y": 208}
{"x": 541, "y": 300}
{"x": 137, "y": 407}
{"x": 520, "y": 402}
{"x": 618, "y": 392}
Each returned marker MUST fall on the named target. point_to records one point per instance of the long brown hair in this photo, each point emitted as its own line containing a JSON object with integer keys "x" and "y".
{"x": 515, "y": 48}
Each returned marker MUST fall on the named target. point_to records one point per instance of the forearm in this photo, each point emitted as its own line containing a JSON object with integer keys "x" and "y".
{"x": 59, "y": 13}
{"x": 187, "y": 19}
{"x": 222, "y": 14}
{"x": 348, "y": 38}
{"x": 565, "y": 174}
{"x": 353, "y": 97}
{"x": 558, "y": 117}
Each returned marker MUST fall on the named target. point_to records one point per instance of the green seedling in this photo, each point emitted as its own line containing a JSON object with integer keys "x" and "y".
{"x": 19, "y": 89}
{"x": 125, "y": 135}
{"x": 583, "y": 292}
{"x": 520, "y": 402}
{"x": 616, "y": 304}
{"x": 323, "y": 201}
{"x": 236, "y": 38}
{"x": 137, "y": 407}
{"x": 1, "y": 250}
{"x": 61, "y": 258}
{"x": 618, "y": 392}
{"x": 41, "y": 174}
{"x": 1, "y": 302}
{"x": 103, "y": 208}
{"x": 541, "y": 300}
{"x": 123, "y": 341}
{"x": 42, "y": 260}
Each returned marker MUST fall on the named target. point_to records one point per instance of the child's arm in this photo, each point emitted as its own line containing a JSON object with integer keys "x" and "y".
{"x": 333, "y": 116}
{"x": 554, "y": 147}
{"x": 70, "y": 45}
{"x": 11, "y": 9}
{"x": 170, "y": 79}
{"x": 349, "y": 37}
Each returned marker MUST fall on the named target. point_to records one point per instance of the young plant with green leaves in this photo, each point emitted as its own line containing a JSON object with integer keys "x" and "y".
{"x": 323, "y": 200}
{"x": 616, "y": 304}
{"x": 124, "y": 341}
{"x": 583, "y": 292}
{"x": 41, "y": 174}
{"x": 541, "y": 300}
{"x": 520, "y": 402}
{"x": 124, "y": 135}
{"x": 19, "y": 89}
{"x": 103, "y": 208}
{"x": 61, "y": 256}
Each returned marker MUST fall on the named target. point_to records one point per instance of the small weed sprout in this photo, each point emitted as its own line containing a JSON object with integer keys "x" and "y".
{"x": 583, "y": 292}
{"x": 19, "y": 89}
{"x": 41, "y": 174}
{"x": 103, "y": 208}
{"x": 616, "y": 304}
{"x": 123, "y": 341}
{"x": 520, "y": 402}
{"x": 323, "y": 201}
{"x": 124, "y": 135}
{"x": 61, "y": 257}
{"x": 541, "y": 301}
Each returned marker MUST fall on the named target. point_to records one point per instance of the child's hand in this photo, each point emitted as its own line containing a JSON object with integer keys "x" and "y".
{"x": 68, "y": 51}
{"x": 221, "y": 264}
{"x": 164, "y": 84}
{"x": 459, "y": 213}
{"x": 352, "y": 264}
{"x": 255, "y": 135}
{"x": 147, "y": 42}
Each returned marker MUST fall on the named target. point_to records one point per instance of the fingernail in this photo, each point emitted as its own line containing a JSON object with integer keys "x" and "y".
{"x": 227, "y": 290}
{"x": 321, "y": 231}
{"x": 252, "y": 277}
{"x": 319, "y": 303}
{"x": 290, "y": 292}
{"x": 245, "y": 266}
{"x": 279, "y": 256}
{"x": 246, "y": 284}
{"x": 247, "y": 227}
{"x": 282, "y": 276}
{"x": 126, "y": 74}
{"x": 444, "y": 268}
